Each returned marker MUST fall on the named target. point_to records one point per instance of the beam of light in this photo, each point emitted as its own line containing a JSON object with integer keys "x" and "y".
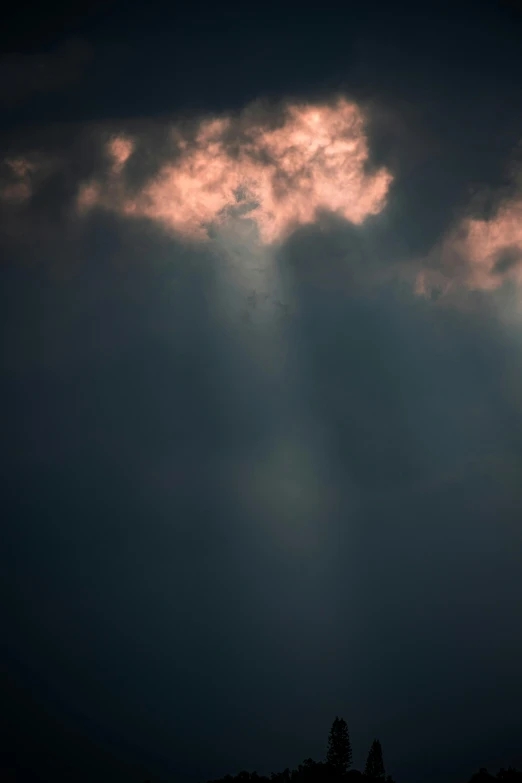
{"x": 243, "y": 184}
{"x": 279, "y": 177}
{"x": 281, "y": 483}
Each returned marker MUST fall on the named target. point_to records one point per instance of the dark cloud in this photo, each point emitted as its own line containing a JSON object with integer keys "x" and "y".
{"x": 126, "y": 397}
{"x": 22, "y": 75}
{"x": 247, "y": 488}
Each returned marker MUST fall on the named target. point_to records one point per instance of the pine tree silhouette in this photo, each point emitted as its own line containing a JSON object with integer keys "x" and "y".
{"x": 374, "y": 763}
{"x": 339, "y": 754}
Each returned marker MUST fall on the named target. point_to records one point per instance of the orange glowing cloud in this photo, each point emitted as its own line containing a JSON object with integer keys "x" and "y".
{"x": 120, "y": 150}
{"x": 479, "y": 254}
{"x": 494, "y": 247}
{"x": 278, "y": 177}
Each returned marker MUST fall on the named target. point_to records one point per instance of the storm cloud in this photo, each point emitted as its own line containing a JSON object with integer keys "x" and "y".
{"x": 261, "y": 378}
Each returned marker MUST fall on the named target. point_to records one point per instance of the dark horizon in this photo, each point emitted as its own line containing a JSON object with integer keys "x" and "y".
{"x": 261, "y": 384}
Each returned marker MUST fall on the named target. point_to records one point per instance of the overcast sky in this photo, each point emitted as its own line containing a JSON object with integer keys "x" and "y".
{"x": 261, "y": 385}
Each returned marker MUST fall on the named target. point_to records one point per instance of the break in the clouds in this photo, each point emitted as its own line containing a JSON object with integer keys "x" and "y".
{"x": 315, "y": 158}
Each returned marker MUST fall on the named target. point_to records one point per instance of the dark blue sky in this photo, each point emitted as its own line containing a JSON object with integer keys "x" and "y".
{"x": 226, "y": 521}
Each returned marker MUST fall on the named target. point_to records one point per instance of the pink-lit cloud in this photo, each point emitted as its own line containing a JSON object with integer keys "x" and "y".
{"x": 479, "y": 254}
{"x": 280, "y": 177}
{"x": 120, "y": 150}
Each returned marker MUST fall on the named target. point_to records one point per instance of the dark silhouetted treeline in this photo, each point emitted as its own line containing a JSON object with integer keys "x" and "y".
{"x": 337, "y": 766}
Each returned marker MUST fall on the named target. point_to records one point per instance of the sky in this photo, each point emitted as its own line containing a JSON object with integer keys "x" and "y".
{"x": 261, "y": 385}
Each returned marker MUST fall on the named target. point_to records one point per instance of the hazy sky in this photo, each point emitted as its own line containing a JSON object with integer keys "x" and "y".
{"x": 261, "y": 385}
